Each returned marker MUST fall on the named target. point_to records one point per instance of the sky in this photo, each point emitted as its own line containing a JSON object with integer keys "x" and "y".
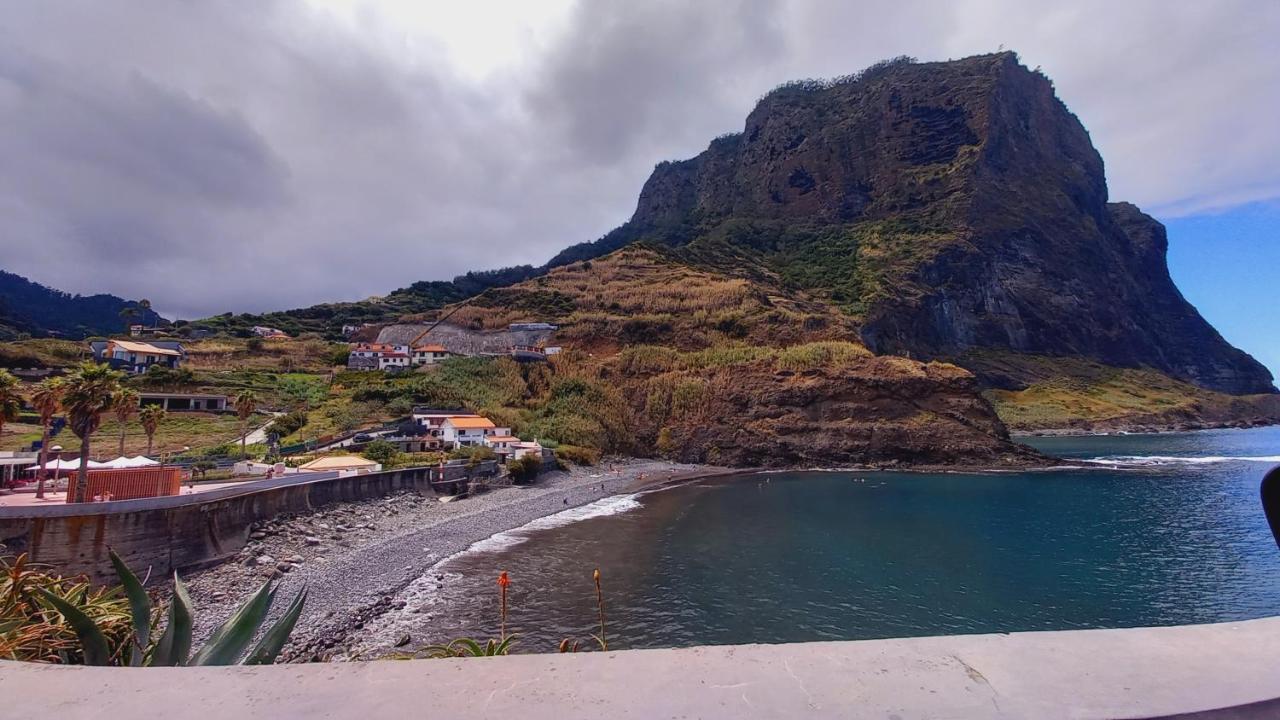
{"x": 250, "y": 156}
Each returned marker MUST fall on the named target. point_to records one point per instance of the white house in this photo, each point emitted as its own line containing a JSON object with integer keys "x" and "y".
{"x": 431, "y": 419}
{"x": 429, "y": 354}
{"x": 501, "y": 444}
{"x": 393, "y": 361}
{"x": 511, "y": 447}
{"x": 138, "y": 357}
{"x": 469, "y": 431}
{"x": 374, "y": 356}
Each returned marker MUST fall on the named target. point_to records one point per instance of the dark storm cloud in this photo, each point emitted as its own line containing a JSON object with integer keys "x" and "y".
{"x": 244, "y": 156}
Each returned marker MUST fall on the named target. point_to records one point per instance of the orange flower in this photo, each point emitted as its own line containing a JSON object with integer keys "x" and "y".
{"x": 503, "y": 580}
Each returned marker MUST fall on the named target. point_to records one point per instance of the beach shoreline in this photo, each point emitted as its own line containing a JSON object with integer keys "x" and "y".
{"x": 356, "y": 559}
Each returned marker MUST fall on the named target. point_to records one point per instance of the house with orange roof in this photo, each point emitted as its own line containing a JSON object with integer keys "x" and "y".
{"x": 428, "y": 354}
{"x": 468, "y": 431}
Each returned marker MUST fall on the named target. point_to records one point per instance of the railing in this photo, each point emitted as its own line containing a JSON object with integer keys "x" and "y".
{"x": 131, "y": 483}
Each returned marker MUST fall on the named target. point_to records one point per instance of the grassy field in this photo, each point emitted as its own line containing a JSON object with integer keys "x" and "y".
{"x": 1078, "y": 393}
{"x": 199, "y": 431}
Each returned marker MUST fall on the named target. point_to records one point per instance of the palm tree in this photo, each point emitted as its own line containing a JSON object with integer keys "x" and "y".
{"x": 246, "y": 404}
{"x": 47, "y": 400}
{"x": 151, "y": 416}
{"x": 90, "y": 392}
{"x": 125, "y": 405}
{"x": 10, "y": 400}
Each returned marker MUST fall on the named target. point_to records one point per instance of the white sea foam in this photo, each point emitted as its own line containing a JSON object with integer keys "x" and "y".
{"x": 1144, "y": 460}
{"x": 510, "y": 538}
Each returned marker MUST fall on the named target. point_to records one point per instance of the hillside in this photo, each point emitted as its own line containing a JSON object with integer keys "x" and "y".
{"x": 29, "y": 308}
{"x": 702, "y": 366}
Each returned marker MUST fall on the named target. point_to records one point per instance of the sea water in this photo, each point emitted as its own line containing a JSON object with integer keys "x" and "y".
{"x": 1169, "y": 531}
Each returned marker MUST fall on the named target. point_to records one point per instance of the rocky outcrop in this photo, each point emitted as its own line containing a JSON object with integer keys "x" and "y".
{"x": 979, "y": 212}
{"x": 882, "y": 411}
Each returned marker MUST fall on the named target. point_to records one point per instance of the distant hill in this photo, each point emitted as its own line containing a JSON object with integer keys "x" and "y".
{"x": 29, "y": 308}
{"x": 327, "y": 319}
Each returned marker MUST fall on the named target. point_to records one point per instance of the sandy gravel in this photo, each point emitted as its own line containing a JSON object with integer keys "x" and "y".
{"x": 356, "y": 558}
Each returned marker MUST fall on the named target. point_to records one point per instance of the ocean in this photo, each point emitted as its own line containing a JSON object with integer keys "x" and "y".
{"x": 1169, "y": 531}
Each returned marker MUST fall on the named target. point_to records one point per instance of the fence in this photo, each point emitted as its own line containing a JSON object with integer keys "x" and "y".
{"x": 132, "y": 483}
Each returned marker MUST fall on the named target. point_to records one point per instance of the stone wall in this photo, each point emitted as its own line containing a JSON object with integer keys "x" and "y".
{"x": 175, "y": 533}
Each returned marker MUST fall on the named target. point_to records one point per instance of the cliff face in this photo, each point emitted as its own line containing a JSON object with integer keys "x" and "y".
{"x": 958, "y": 207}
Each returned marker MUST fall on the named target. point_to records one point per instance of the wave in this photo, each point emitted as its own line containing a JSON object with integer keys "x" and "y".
{"x": 1146, "y": 460}
{"x": 509, "y": 538}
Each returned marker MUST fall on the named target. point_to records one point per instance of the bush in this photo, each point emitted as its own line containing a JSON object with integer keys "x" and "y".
{"x": 400, "y": 406}
{"x": 474, "y": 454}
{"x": 577, "y": 455}
{"x": 381, "y": 451}
{"x": 254, "y": 344}
{"x": 161, "y": 376}
{"x": 289, "y": 423}
{"x": 525, "y": 469}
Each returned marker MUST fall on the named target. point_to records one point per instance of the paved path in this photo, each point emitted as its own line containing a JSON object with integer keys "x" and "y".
{"x": 259, "y": 436}
{"x": 1136, "y": 673}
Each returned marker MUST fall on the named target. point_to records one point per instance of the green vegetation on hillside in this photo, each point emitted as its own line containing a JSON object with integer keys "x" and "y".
{"x": 1064, "y": 392}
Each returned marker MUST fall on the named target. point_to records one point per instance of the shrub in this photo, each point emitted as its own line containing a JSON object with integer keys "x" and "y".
{"x": 161, "y": 376}
{"x": 381, "y": 451}
{"x": 525, "y": 469}
{"x": 813, "y": 356}
{"x": 577, "y": 455}
{"x": 474, "y": 454}
{"x": 289, "y": 423}
{"x": 400, "y": 406}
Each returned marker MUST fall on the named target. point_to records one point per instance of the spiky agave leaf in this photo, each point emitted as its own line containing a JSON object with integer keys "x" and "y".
{"x": 139, "y": 608}
{"x": 175, "y": 644}
{"x": 269, "y": 646}
{"x": 92, "y": 643}
{"x": 233, "y": 636}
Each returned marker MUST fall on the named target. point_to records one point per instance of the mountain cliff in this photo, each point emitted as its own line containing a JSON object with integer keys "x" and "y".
{"x": 952, "y": 209}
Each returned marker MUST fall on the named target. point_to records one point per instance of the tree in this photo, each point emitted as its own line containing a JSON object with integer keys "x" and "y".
{"x": 10, "y": 400}
{"x": 246, "y": 404}
{"x": 47, "y": 400}
{"x": 125, "y": 406}
{"x": 90, "y": 392}
{"x": 151, "y": 416}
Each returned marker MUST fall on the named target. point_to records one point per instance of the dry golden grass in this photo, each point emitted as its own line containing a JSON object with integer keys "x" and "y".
{"x": 303, "y": 355}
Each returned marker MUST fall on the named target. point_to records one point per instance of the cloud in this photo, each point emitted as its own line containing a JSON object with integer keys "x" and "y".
{"x": 250, "y": 156}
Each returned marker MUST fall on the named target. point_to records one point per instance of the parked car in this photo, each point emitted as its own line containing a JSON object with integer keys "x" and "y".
{"x": 362, "y": 438}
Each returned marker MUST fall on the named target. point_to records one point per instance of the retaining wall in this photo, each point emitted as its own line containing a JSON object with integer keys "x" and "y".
{"x": 165, "y": 534}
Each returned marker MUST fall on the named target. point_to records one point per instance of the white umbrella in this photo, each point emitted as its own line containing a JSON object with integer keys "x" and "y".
{"x": 58, "y": 465}
{"x": 129, "y": 462}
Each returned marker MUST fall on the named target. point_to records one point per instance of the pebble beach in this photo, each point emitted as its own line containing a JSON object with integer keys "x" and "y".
{"x": 357, "y": 559}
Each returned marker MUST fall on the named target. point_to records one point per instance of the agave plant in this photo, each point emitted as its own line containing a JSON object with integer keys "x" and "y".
{"x": 466, "y": 647}
{"x": 31, "y": 629}
{"x": 226, "y": 646}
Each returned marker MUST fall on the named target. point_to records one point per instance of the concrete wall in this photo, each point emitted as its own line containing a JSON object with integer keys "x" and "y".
{"x": 1073, "y": 675}
{"x": 174, "y": 533}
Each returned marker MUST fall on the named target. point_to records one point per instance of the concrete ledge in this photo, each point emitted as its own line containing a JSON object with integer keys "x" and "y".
{"x": 1135, "y": 673}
